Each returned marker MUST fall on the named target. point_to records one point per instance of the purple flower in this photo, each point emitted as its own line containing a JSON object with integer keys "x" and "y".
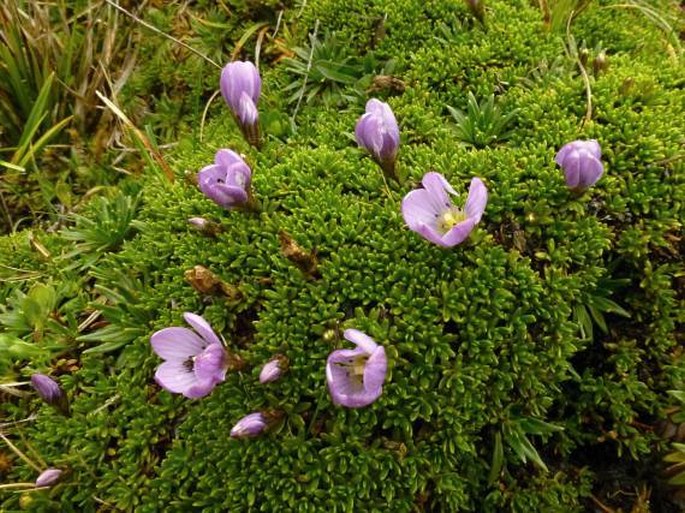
{"x": 377, "y": 132}
{"x": 581, "y": 164}
{"x": 227, "y": 181}
{"x": 50, "y": 391}
{"x": 240, "y": 86}
{"x": 249, "y": 426}
{"x": 273, "y": 369}
{"x": 48, "y": 477}
{"x": 430, "y": 212}
{"x": 355, "y": 376}
{"x": 194, "y": 361}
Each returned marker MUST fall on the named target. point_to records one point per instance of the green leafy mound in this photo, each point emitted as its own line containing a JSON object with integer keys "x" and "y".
{"x": 493, "y": 346}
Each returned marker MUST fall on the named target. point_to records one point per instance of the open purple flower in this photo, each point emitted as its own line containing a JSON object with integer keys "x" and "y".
{"x": 581, "y": 163}
{"x": 48, "y": 477}
{"x": 355, "y": 376}
{"x": 378, "y": 133}
{"x": 431, "y": 213}
{"x": 249, "y": 426}
{"x": 240, "y": 85}
{"x": 195, "y": 361}
{"x": 227, "y": 181}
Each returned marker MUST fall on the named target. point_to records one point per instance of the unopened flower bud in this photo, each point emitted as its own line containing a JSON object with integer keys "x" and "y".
{"x": 378, "y": 133}
{"x": 249, "y": 426}
{"x": 580, "y": 161}
{"x": 273, "y": 369}
{"x": 583, "y": 55}
{"x": 205, "y": 226}
{"x": 50, "y": 391}
{"x": 600, "y": 64}
{"x": 240, "y": 86}
{"x": 48, "y": 477}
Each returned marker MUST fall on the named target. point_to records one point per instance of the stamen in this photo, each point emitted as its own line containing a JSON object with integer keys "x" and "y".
{"x": 450, "y": 218}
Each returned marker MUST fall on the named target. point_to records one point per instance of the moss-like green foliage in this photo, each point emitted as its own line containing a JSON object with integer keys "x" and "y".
{"x": 483, "y": 340}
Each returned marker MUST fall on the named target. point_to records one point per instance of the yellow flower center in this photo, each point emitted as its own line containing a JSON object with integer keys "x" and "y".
{"x": 450, "y": 218}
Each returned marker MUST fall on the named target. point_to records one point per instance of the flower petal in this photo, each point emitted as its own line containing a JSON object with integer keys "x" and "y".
{"x": 458, "y": 233}
{"x": 199, "y": 389}
{"x": 431, "y": 234}
{"x": 591, "y": 172}
{"x": 477, "y": 200}
{"x": 226, "y": 158}
{"x": 418, "y": 208}
{"x": 375, "y": 370}
{"x": 247, "y": 110}
{"x": 175, "y": 377}
{"x": 202, "y": 328}
{"x": 210, "y": 364}
{"x": 571, "y": 167}
{"x": 361, "y": 339}
{"x": 176, "y": 344}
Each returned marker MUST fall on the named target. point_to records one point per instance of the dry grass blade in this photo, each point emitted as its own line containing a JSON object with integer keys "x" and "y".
{"x": 139, "y": 136}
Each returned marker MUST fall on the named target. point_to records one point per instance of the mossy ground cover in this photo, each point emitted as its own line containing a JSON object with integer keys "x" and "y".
{"x": 492, "y": 345}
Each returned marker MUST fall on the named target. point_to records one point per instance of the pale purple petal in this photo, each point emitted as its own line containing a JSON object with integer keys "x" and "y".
{"x": 571, "y": 167}
{"x": 247, "y": 110}
{"x": 228, "y": 196}
{"x": 361, "y": 339}
{"x": 458, "y": 233}
{"x": 477, "y": 199}
{"x": 438, "y": 189}
{"x": 563, "y": 152}
{"x": 591, "y": 146}
{"x": 176, "y": 344}
{"x": 591, "y": 173}
{"x": 175, "y": 377}
{"x": 340, "y": 386}
{"x": 225, "y": 158}
{"x": 210, "y": 364}
{"x": 202, "y": 328}
{"x": 199, "y": 389}
{"x": 374, "y": 372}
{"x": 418, "y": 208}
{"x": 431, "y": 234}
{"x": 48, "y": 477}
{"x": 209, "y": 175}
{"x": 239, "y": 175}
{"x": 249, "y": 426}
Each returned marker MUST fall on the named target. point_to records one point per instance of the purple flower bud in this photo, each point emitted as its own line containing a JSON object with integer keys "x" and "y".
{"x": 240, "y": 85}
{"x": 378, "y": 133}
{"x": 46, "y": 387}
{"x": 431, "y": 213}
{"x": 249, "y": 426}
{"x": 204, "y": 226}
{"x": 273, "y": 369}
{"x": 581, "y": 163}
{"x": 48, "y": 477}
{"x": 199, "y": 222}
{"x": 355, "y": 376}
{"x": 227, "y": 181}
{"x": 50, "y": 391}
